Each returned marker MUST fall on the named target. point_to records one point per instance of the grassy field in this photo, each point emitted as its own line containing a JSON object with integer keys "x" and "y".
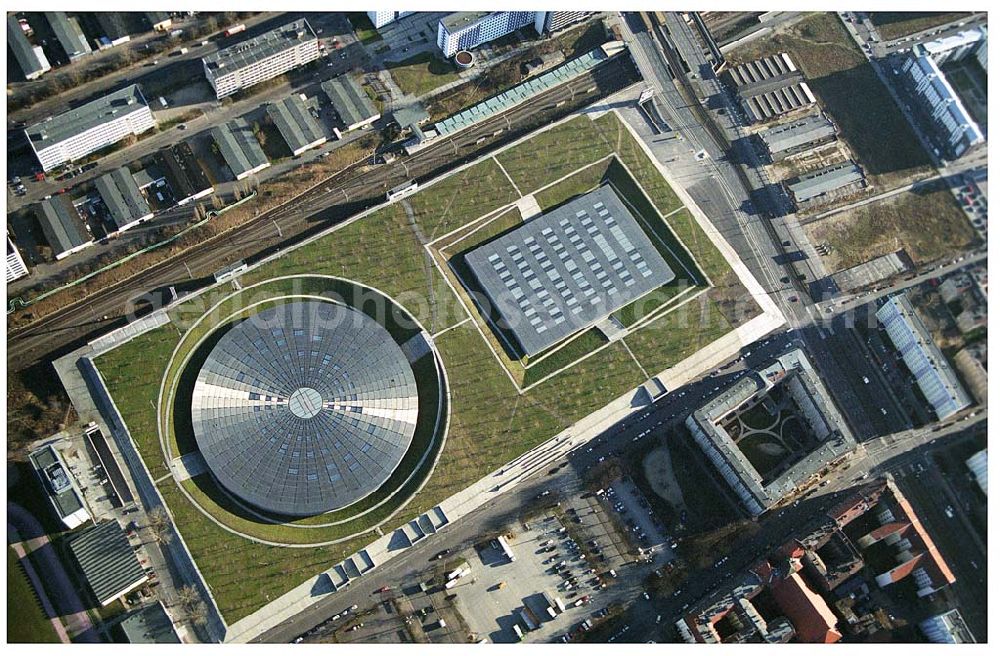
{"x": 579, "y": 183}
{"x": 582, "y": 39}
{"x": 553, "y": 154}
{"x": 848, "y": 89}
{"x": 895, "y": 24}
{"x": 491, "y": 422}
{"x": 422, "y": 73}
{"x": 460, "y": 198}
{"x": 26, "y": 623}
{"x": 928, "y": 225}
{"x": 363, "y": 27}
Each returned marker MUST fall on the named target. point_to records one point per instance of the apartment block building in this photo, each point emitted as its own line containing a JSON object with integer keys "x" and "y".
{"x": 384, "y": 17}
{"x": 956, "y": 129}
{"x": 79, "y": 132}
{"x": 465, "y": 30}
{"x": 261, "y": 58}
{"x": 15, "y": 263}
{"x": 547, "y": 22}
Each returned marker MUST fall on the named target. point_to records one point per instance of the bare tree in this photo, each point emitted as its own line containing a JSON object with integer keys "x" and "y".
{"x": 198, "y": 613}
{"x": 159, "y": 525}
{"x": 193, "y": 606}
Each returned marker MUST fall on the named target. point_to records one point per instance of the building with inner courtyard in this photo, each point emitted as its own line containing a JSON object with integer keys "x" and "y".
{"x": 771, "y": 432}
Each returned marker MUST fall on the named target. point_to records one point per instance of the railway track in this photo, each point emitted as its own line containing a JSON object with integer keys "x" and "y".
{"x": 327, "y": 204}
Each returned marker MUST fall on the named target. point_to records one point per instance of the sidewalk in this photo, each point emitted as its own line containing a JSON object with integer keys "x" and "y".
{"x": 172, "y": 560}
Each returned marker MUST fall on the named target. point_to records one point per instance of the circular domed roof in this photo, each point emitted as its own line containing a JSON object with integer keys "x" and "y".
{"x": 304, "y": 408}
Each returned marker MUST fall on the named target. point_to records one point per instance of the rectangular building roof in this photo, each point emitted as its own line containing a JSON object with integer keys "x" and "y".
{"x": 239, "y": 146}
{"x": 821, "y": 181}
{"x": 149, "y": 625}
{"x": 942, "y": 94}
{"x": 770, "y": 86}
{"x": 114, "y": 23}
{"x": 68, "y": 33}
{"x": 23, "y": 51}
{"x": 262, "y": 46}
{"x": 297, "y": 126}
{"x": 349, "y": 100}
{"x": 79, "y": 120}
{"x": 567, "y": 269}
{"x": 56, "y": 480}
{"x": 792, "y": 369}
{"x": 947, "y": 628}
{"x": 764, "y": 74}
{"x": 108, "y": 561}
{"x": 935, "y": 377}
{"x": 521, "y": 92}
{"x": 62, "y": 226}
{"x": 184, "y": 175}
{"x": 156, "y": 17}
{"x": 462, "y": 19}
{"x": 122, "y": 197}
{"x": 946, "y": 44}
{"x": 410, "y": 114}
{"x": 798, "y": 133}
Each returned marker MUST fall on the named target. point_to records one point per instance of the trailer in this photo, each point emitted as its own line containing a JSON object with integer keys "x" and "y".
{"x": 506, "y": 548}
{"x": 554, "y": 602}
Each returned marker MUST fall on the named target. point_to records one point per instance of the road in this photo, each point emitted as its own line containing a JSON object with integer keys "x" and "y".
{"x": 419, "y": 559}
{"x": 316, "y": 210}
{"x": 714, "y": 183}
{"x": 780, "y": 524}
{"x": 882, "y": 48}
{"x": 851, "y": 302}
{"x": 215, "y": 112}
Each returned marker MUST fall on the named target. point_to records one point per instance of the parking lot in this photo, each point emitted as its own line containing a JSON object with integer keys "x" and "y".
{"x": 638, "y": 520}
{"x": 547, "y": 561}
{"x": 410, "y": 35}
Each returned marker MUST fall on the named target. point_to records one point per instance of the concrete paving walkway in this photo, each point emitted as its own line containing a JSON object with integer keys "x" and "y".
{"x": 188, "y": 466}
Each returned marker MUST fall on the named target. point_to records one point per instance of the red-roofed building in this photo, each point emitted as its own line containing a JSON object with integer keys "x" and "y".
{"x": 892, "y": 529}
{"x": 916, "y": 553}
{"x": 780, "y": 597}
{"x": 809, "y": 613}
